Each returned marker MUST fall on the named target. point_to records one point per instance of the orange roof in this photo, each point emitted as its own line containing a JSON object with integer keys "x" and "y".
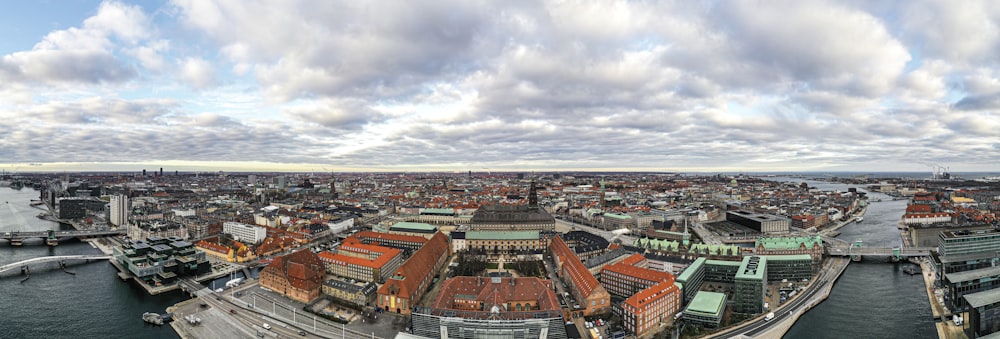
{"x": 376, "y": 236}
{"x": 666, "y": 289}
{"x": 579, "y": 274}
{"x": 639, "y": 273}
{"x": 486, "y": 291}
{"x": 213, "y": 247}
{"x": 418, "y": 267}
{"x": 302, "y": 269}
{"x": 340, "y": 259}
{"x": 633, "y": 259}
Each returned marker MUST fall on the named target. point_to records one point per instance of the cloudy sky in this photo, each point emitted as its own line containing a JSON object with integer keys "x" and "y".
{"x": 516, "y": 85}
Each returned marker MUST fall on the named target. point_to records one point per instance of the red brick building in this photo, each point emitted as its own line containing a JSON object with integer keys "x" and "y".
{"x": 593, "y": 297}
{"x": 402, "y": 291}
{"x": 298, "y": 276}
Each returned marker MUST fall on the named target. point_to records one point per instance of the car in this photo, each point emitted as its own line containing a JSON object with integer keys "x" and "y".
{"x": 266, "y": 326}
{"x": 232, "y": 311}
{"x": 302, "y": 333}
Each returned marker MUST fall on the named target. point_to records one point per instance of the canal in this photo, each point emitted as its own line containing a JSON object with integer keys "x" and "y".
{"x": 873, "y": 298}
{"x": 92, "y": 303}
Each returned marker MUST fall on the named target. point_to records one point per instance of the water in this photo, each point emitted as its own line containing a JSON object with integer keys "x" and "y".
{"x": 94, "y": 303}
{"x": 871, "y": 299}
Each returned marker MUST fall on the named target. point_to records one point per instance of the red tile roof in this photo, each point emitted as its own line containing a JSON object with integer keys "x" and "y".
{"x": 302, "y": 269}
{"x": 409, "y": 276}
{"x": 666, "y": 289}
{"x": 577, "y": 272}
{"x": 490, "y": 293}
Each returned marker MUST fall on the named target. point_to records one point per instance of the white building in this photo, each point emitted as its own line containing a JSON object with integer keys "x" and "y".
{"x": 119, "y": 210}
{"x": 245, "y": 233}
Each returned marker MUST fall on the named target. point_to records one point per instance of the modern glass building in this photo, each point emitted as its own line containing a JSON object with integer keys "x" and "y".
{"x": 984, "y": 313}
{"x": 705, "y": 309}
{"x": 750, "y": 281}
{"x": 721, "y": 270}
{"x": 792, "y": 267}
{"x": 691, "y": 279}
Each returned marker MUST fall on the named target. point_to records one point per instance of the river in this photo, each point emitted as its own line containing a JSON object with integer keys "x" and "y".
{"x": 873, "y": 298}
{"x": 93, "y": 303}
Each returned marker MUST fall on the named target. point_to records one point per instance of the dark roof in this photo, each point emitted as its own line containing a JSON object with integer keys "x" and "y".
{"x": 511, "y": 214}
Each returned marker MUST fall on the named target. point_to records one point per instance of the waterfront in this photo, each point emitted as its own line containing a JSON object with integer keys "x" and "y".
{"x": 93, "y": 303}
{"x": 873, "y": 298}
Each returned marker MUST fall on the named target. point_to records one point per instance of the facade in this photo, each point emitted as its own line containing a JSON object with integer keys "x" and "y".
{"x": 477, "y": 307}
{"x": 159, "y": 261}
{"x": 156, "y": 229}
{"x": 246, "y": 233}
{"x": 586, "y": 289}
{"x": 413, "y": 228}
{"x": 528, "y": 217}
{"x": 984, "y": 313}
{"x": 813, "y": 246}
{"x": 507, "y": 242}
{"x": 362, "y": 262}
{"x": 960, "y": 251}
{"x": 352, "y": 294}
{"x": 793, "y": 267}
{"x": 705, "y": 309}
{"x": 403, "y": 242}
{"x": 691, "y": 278}
{"x": 652, "y": 297}
{"x": 968, "y": 282}
{"x": 721, "y": 270}
{"x": 119, "y": 210}
{"x": 750, "y": 283}
{"x": 403, "y": 290}
{"x": 298, "y": 276}
{"x": 763, "y": 223}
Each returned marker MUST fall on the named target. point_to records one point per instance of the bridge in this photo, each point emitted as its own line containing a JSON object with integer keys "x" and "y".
{"x": 856, "y": 251}
{"x": 16, "y": 237}
{"x": 24, "y": 263}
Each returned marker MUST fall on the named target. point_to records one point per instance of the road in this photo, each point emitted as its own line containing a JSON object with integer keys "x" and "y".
{"x": 826, "y": 277}
{"x": 610, "y": 236}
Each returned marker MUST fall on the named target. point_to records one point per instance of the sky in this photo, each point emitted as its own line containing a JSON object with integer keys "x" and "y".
{"x": 412, "y": 85}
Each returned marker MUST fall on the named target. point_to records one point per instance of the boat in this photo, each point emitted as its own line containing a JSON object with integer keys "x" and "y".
{"x": 911, "y": 270}
{"x": 51, "y": 241}
{"x": 152, "y": 318}
{"x": 16, "y": 241}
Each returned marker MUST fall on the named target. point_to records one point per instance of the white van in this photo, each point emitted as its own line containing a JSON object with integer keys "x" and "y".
{"x": 266, "y": 326}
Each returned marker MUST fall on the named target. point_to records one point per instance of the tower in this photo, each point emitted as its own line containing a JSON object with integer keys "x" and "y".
{"x": 532, "y": 195}
{"x": 603, "y": 198}
{"x": 119, "y": 210}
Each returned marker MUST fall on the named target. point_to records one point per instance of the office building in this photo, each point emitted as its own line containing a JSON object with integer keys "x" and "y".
{"x": 582, "y": 283}
{"x": 119, "y": 210}
{"x": 984, "y": 314}
{"x": 705, "y": 309}
{"x": 750, "y": 282}
{"x": 403, "y": 290}
{"x": 246, "y": 233}
{"x": 763, "y": 223}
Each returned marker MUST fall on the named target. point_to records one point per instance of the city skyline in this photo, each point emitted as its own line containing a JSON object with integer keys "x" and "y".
{"x": 392, "y": 86}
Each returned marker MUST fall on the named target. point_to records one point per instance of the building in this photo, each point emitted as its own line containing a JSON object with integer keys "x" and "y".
{"x": 160, "y": 261}
{"x": 528, "y": 217}
{"x": 413, "y": 228}
{"x": 586, "y": 289}
{"x": 750, "y": 283}
{"x": 156, "y": 229}
{"x": 764, "y": 223}
{"x": 246, "y": 233}
{"x": 237, "y": 252}
{"x": 119, "y": 210}
{"x": 359, "y": 261}
{"x": 705, "y": 309}
{"x": 984, "y": 313}
{"x": 407, "y": 243}
{"x": 652, "y": 297}
{"x": 359, "y": 295}
{"x": 403, "y": 290}
{"x": 691, "y": 278}
{"x": 793, "y": 267}
{"x": 721, "y": 270}
{"x": 298, "y": 276}
{"x": 480, "y": 307}
{"x": 963, "y": 283}
{"x": 500, "y": 242}
{"x": 77, "y": 207}
{"x": 811, "y": 245}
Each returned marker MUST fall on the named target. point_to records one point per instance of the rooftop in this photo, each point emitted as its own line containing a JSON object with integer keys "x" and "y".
{"x": 689, "y": 271}
{"x": 511, "y": 235}
{"x": 752, "y": 267}
{"x": 707, "y": 303}
{"x": 973, "y": 274}
{"x": 980, "y": 299}
{"x": 416, "y": 226}
{"x": 788, "y": 243}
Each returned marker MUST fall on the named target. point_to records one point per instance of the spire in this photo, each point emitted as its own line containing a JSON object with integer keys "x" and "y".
{"x": 532, "y": 195}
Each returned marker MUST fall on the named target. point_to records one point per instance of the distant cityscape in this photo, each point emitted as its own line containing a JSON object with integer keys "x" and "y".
{"x": 520, "y": 255}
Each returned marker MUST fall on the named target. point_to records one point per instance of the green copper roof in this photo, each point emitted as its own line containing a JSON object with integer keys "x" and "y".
{"x": 723, "y": 263}
{"x": 707, "y": 303}
{"x": 748, "y": 270}
{"x": 689, "y": 271}
{"x": 438, "y": 210}
{"x": 788, "y": 243}
{"x": 715, "y": 249}
{"x": 414, "y": 226}
{"x": 618, "y": 216}
{"x": 789, "y": 257}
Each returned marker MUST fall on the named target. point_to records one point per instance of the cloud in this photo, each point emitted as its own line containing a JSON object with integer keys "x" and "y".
{"x": 197, "y": 73}
{"x": 80, "y": 54}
